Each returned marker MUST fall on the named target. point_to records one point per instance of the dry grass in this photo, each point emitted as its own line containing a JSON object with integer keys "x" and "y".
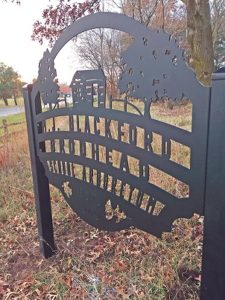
{"x": 14, "y": 122}
{"x": 89, "y": 264}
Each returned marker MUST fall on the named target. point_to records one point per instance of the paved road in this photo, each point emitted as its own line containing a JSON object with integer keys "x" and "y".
{"x": 6, "y": 111}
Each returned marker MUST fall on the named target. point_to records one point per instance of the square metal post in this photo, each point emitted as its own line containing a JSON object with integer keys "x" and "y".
{"x": 213, "y": 268}
{"x": 40, "y": 181}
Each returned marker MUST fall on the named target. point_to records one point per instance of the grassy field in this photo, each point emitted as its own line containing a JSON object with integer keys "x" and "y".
{"x": 11, "y": 102}
{"x": 89, "y": 264}
{"x": 14, "y": 118}
{"x": 14, "y": 123}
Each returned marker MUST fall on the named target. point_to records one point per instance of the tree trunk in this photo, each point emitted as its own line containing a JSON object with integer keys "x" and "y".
{"x": 14, "y": 96}
{"x": 199, "y": 36}
{"x": 5, "y": 101}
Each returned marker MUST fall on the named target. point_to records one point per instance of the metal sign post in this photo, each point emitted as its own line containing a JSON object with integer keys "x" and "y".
{"x": 40, "y": 181}
{"x": 213, "y": 266}
{"x": 79, "y": 158}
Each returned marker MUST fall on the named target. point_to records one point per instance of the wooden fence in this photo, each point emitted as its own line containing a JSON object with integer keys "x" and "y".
{"x": 5, "y": 126}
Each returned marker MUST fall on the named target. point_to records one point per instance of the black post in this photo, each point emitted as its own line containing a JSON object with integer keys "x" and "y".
{"x": 213, "y": 268}
{"x": 40, "y": 181}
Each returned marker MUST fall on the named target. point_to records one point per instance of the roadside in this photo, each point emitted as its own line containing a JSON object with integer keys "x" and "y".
{"x": 6, "y": 111}
{"x": 11, "y": 103}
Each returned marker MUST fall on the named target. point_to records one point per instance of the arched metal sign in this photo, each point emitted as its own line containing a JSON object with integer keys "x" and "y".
{"x": 101, "y": 157}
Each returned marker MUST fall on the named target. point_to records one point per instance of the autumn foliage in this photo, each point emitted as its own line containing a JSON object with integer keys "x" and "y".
{"x": 57, "y": 18}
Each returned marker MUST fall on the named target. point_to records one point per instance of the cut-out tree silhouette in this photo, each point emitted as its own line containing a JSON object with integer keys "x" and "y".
{"x": 49, "y": 88}
{"x": 150, "y": 65}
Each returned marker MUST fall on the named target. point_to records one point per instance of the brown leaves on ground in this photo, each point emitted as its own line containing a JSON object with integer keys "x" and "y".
{"x": 89, "y": 264}
{"x": 92, "y": 264}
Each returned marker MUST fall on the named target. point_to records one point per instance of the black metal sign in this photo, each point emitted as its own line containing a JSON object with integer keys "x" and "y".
{"x": 98, "y": 149}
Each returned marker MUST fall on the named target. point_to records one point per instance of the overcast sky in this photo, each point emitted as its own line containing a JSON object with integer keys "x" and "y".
{"x": 16, "y": 47}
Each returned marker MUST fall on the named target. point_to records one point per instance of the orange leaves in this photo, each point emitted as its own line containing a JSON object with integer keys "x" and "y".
{"x": 56, "y": 18}
{"x": 119, "y": 266}
{"x": 92, "y": 264}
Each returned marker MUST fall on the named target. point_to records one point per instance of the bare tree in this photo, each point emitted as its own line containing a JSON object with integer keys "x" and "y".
{"x": 102, "y": 48}
{"x": 218, "y": 31}
{"x": 170, "y": 15}
{"x": 141, "y": 10}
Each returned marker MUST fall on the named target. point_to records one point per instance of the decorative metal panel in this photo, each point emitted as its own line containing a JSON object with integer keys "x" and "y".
{"x": 97, "y": 149}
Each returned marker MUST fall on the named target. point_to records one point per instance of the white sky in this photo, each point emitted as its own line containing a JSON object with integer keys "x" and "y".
{"x": 16, "y": 47}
